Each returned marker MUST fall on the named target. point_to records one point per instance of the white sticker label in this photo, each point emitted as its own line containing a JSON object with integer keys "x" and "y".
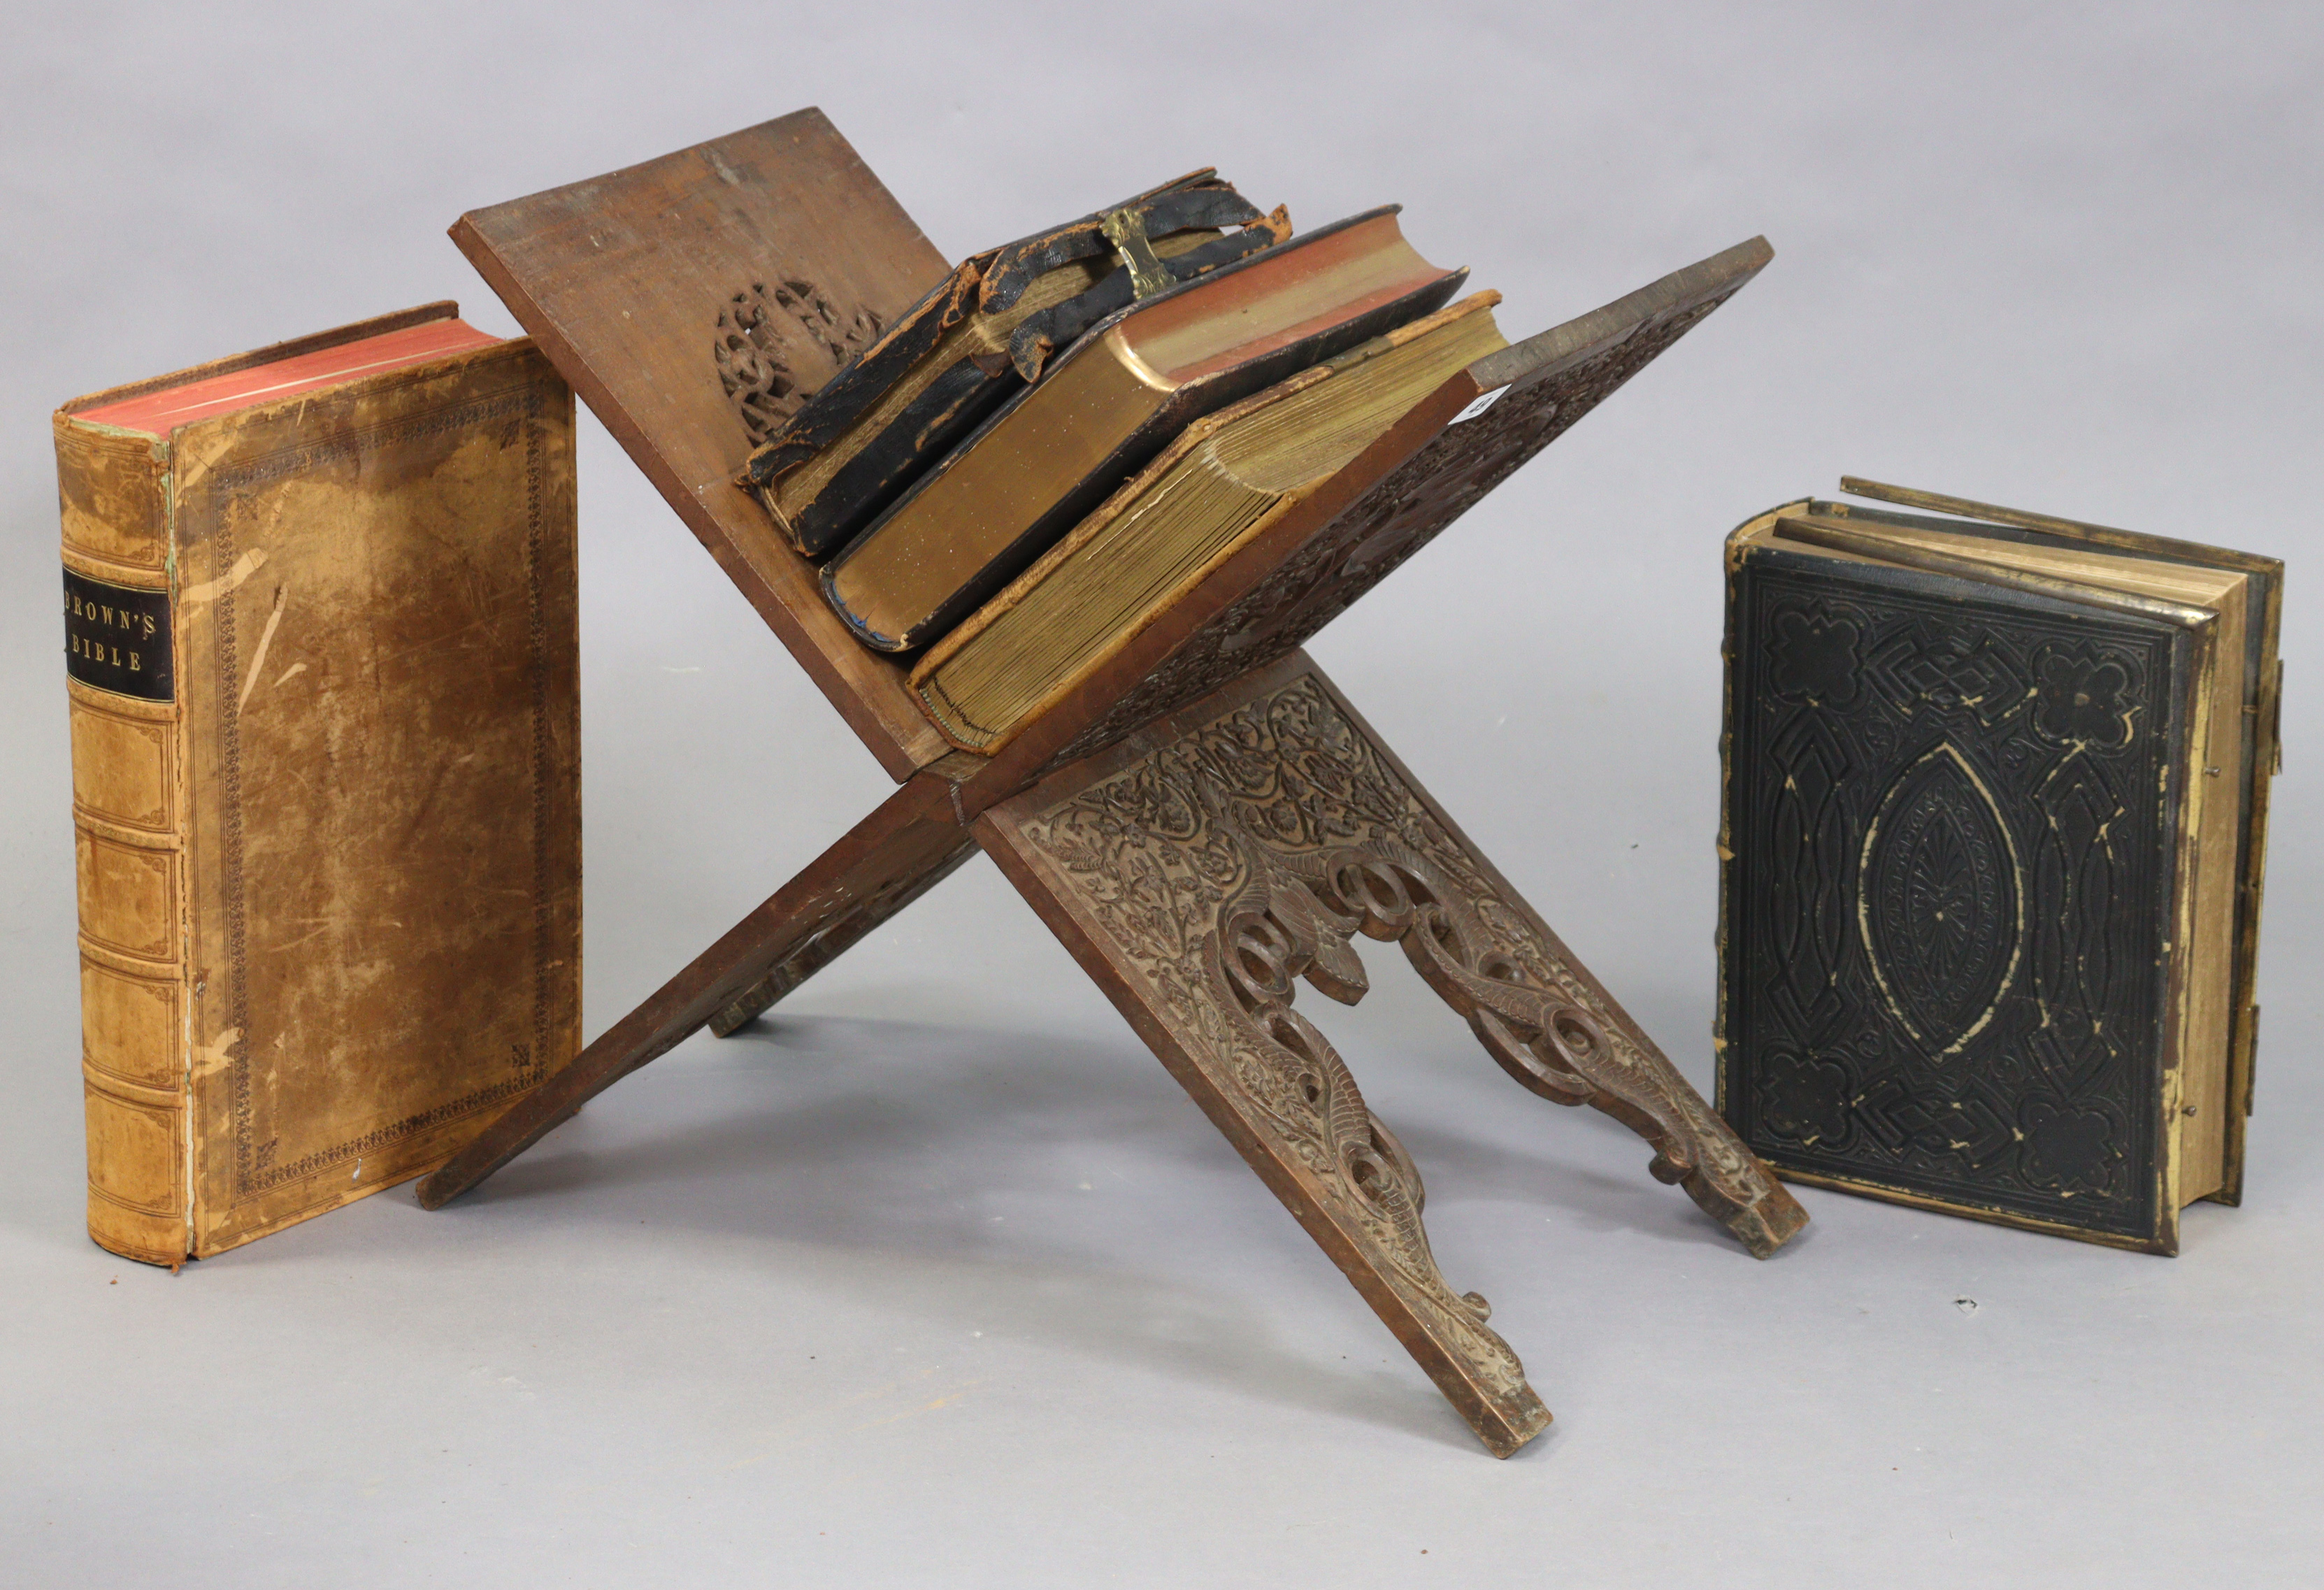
{"x": 1484, "y": 401}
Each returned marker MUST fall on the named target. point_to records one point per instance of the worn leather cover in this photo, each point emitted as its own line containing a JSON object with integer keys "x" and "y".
{"x": 1950, "y": 848}
{"x": 1005, "y": 549}
{"x": 968, "y": 392}
{"x": 330, "y": 881}
{"x": 994, "y": 280}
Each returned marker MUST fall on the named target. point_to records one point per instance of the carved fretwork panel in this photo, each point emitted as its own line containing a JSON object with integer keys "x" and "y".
{"x": 776, "y": 342}
{"x": 1205, "y": 868}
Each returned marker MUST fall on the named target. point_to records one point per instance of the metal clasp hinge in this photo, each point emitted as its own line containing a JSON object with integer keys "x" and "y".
{"x": 1125, "y": 230}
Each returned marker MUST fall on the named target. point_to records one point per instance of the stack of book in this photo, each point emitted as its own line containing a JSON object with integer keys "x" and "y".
{"x": 1068, "y": 433}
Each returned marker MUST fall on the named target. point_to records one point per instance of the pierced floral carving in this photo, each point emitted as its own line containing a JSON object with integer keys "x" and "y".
{"x": 762, "y": 333}
{"x": 1249, "y": 853}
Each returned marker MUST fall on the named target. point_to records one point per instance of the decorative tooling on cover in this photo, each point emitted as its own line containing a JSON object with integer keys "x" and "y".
{"x": 1249, "y": 853}
{"x": 1942, "y": 902}
{"x": 756, "y": 379}
{"x": 1943, "y": 944}
{"x": 269, "y": 891}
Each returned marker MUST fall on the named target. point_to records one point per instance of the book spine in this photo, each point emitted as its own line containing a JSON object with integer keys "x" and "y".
{"x": 129, "y": 829}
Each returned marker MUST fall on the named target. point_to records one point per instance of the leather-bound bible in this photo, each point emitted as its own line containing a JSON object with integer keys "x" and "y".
{"x": 976, "y": 339}
{"x": 1115, "y": 398}
{"x": 1993, "y": 843}
{"x": 1220, "y": 484}
{"x": 319, "y": 610}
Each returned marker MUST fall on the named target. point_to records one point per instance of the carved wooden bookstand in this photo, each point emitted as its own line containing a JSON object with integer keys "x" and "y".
{"x": 1206, "y": 823}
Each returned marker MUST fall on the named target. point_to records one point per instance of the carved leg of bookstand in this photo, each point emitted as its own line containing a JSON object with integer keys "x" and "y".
{"x": 909, "y": 843}
{"x": 1177, "y": 916}
{"x": 1202, "y": 865}
{"x": 1412, "y": 877}
{"x": 1211, "y": 994}
{"x": 1564, "y": 1041}
{"x": 827, "y": 943}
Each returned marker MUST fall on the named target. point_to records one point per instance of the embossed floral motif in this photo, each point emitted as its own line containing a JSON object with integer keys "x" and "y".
{"x": 1941, "y": 896}
{"x": 2079, "y": 698}
{"x": 2071, "y": 1149}
{"x": 1805, "y": 1100}
{"x": 1815, "y": 657}
{"x": 1939, "y": 891}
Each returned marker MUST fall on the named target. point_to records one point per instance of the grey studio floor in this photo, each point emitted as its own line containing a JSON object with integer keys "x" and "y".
{"x": 936, "y": 1278}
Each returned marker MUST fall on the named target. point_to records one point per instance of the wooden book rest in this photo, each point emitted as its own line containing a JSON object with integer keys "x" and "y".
{"x": 1205, "y": 822}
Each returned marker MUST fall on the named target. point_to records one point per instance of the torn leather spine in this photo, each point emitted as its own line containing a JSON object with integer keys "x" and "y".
{"x": 953, "y": 402}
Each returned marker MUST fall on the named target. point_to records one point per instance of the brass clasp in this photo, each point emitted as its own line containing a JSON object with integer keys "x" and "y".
{"x": 1125, "y": 228}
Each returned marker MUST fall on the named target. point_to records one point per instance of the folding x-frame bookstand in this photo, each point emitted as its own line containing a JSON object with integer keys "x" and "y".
{"x": 1204, "y": 823}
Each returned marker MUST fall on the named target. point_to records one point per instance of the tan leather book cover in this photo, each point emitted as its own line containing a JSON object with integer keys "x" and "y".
{"x": 322, "y": 656}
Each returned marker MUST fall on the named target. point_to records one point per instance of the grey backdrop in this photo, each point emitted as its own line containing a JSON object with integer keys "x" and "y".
{"x": 938, "y": 1279}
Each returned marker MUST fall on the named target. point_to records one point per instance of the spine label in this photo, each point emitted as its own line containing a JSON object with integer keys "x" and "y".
{"x": 118, "y": 638}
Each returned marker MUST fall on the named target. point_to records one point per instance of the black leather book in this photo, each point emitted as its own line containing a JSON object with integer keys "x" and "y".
{"x": 976, "y": 339}
{"x": 1107, "y": 404}
{"x": 1992, "y": 842}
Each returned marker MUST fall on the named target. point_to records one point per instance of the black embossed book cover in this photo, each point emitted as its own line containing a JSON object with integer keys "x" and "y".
{"x": 1991, "y": 847}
